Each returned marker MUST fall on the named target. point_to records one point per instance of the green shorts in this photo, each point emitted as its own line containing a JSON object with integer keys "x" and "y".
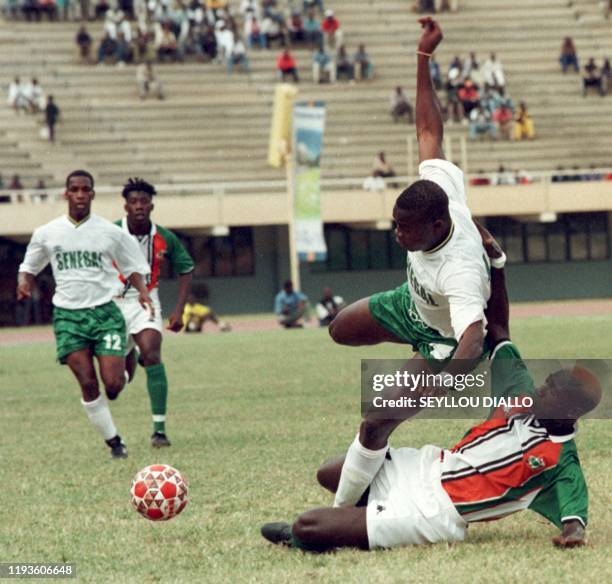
{"x": 395, "y": 311}
{"x": 100, "y": 328}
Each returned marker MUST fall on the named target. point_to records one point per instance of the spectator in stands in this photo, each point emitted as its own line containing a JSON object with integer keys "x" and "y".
{"x": 49, "y": 8}
{"x": 344, "y": 67}
{"x": 273, "y": 31}
{"x": 503, "y": 176}
{"x": 481, "y": 179}
{"x": 1, "y": 182}
{"x": 166, "y": 44}
{"x": 446, "y": 5}
{"x": 102, "y": 7}
{"x": 295, "y": 27}
{"x": 469, "y": 98}
{"x": 208, "y": 42}
{"x": 434, "y": 72}
{"x": 84, "y": 41}
{"x": 332, "y": 33}
{"x": 286, "y": 66}
{"x": 323, "y": 67}
{"x": 503, "y": 116}
{"x": 455, "y": 69}
{"x": 291, "y": 306}
{"x": 16, "y": 184}
{"x": 523, "y": 177}
{"x": 31, "y": 10}
{"x": 238, "y": 56}
{"x": 52, "y": 114}
{"x": 481, "y": 124}
{"x": 250, "y": 8}
{"x": 124, "y": 52}
{"x": 381, "y": 167}
{"x": 400, "y": 106}
{"x": 592, "y": 78}
{"x": 523, "y": 125}
{"x": 606, "y": 8}
{"x": 454, "y": 109}
{"x": 362, "y": 65}
{"x": 252, "y": 32}
{"x": 107, "y": 48}
{"x": 35, "y": 95}
{"x": 606, "y": 76}
{"x": 308, "y": 5}
{"x": 16, "y": 96}
{"x": 312, "y": 29}
{"x": 493, "y": 73}
{"x": 568, "y": 56}
{"x": 148, "y": 82}
{"x": 328, "y": 307}
{"x": 374, "y": 183}
{"x": 470, "y": 63}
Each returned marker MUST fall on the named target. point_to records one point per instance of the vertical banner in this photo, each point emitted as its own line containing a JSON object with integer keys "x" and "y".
{"x": 308, "y": 126}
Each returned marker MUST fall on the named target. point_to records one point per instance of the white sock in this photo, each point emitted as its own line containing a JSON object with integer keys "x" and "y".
{"x": 359, "y": 469}
{"x": 99, "y": 415}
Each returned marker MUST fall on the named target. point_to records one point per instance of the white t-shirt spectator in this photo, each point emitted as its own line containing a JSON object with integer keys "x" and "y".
{"x": 374, "y": 184}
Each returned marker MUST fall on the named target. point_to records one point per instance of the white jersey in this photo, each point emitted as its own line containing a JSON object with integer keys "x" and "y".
{"x": 450, "y": 285}
{"x": 83, "y": 257}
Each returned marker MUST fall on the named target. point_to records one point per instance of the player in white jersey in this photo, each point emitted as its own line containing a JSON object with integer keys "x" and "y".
{"x": 83, "y": 250}
{"x": 440, "y": 309}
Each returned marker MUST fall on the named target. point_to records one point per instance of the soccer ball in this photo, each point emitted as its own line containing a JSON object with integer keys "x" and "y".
{"x": 159, "y": 492}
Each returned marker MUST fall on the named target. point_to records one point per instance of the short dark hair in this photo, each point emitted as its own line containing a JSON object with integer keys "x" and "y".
{"x": 80, "y": 173}
{"x": 136, "y": 184}
{"x": 424, "y": 198}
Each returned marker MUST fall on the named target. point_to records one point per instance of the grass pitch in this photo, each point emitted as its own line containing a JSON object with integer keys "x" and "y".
{"x": 251, "y": 417}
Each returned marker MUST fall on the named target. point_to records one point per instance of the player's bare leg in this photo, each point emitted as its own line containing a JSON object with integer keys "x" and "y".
{"x": 94, "y": 403}
{"x": 328, "y": 475}
{"x": 149, "y": 343}
{"x": 355, "y": 326}
{"x": 112, "y": 370}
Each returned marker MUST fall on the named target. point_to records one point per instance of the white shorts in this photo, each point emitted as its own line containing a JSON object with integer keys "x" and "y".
{"x": 407, "y": 504}
{"x": 138, "y": 319}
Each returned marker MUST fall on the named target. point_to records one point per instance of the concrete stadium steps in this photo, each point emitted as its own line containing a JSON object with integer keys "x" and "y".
{"x": 215, "y": 128}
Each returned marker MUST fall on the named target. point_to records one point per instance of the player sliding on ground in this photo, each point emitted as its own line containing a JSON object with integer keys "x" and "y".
{"x": 83, "y": 249}
{"x": 440, "y": 309}
{"x": 158, "y": 245}
{"x": 513, "y": 461}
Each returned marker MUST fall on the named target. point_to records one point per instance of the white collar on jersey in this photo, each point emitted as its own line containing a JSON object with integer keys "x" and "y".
{"x": 124, "y": 226}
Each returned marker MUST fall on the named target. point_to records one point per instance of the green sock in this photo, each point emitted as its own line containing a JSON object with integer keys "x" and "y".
{"x": 157, "y": 385}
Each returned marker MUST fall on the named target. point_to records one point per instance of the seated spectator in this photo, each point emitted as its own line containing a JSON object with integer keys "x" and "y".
{"x": 250, "y": 8}
{"x": 374, "y": 183}
{"x": 35, "y": 95}
{"x": 323, "y": 67}
{"x": 456, "y": 65}
{"x": 400, "y": 106}
{"x": 606, "y": 76}
{"x": 286, "y": 66}
{"x": 84, "y": 41}
{"x": 238, "y": 56}
{"x": 31, "y": 10}
{"x": 145, "y": 46}
{"x": 208, "y": 42}
{"x": 503, "y": 177}
{"x": 102, "y": 7}
{"x": 469, "y": 64}
{"x": 362, "y": 65}
{"x": 493, "y": 73}
{"x": 592, "y": 78}
{"x": 308, "y": 5}
{"x": 40, "y": 195}
{"x": 503, "y": 116}
{"x": 344, "y": 67}
{"x": 166, "y": 44}
{"x": 124, "y": 51}
{"x": 523, "y": 177}
{"x": 481, "y": 124}
{"x": 454, "y": 109}
{"x": 147, "y": 81}
{"x": 328, "y": 307}
{"x": 434, "y": 72}
{"x": 252, "y": 33}
{"x": 481, "y": 179}
{"x": 49, "y": 8}
{"x": 295, "y": 27}
{"x": 568, "y": 56}
{"x": 446, "y": 5}
{"x": 16, "y": 184}
{"x": 273, "y": 31}
{"x": 523, "y": 125}
{"x": 491, "y": 99}
{"x": 424, "y": 6}
{"x": 332, "y": 33}
{"x": 17, "y": 96}
{"x": 291, "y": 306}
{"x": 312, "y": 29}
{"x": 381, "y": 167}
{"x": 469, "y": 97}
{"x": 196, "y": 315}
{"x": 107, "y": 48}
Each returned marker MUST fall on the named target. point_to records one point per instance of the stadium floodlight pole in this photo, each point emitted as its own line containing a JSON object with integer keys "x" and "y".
{"x": 294, "y": 262}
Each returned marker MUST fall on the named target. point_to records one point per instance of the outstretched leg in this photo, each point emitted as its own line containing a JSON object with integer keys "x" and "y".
{"x": 328, "y": 528}
{"x": 355, "y": 326}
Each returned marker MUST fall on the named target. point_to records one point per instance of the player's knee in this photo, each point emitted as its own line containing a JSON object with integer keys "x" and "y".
{"x": 328, "y": 474}
{"x": 89, "y": 388}
{"x": 307, "y": 527}
{"x": 336, "y": 330}
{"x": 151, "y": 358}
{"x": 114, "y": 386}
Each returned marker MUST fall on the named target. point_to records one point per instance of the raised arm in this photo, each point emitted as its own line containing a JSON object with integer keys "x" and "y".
{"x": 429, "y": 126}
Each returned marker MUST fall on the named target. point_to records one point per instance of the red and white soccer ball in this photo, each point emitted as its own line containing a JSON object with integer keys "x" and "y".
{"x": 159, "y": 492}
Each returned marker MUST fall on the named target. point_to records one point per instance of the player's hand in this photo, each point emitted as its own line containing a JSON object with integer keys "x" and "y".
{"x": 175, "y": 322}
{"x": 147, "y": 303}
{"x": 431, "y": 36}
{"x": 573, "y": 535}
{"x": 23, "y": 290}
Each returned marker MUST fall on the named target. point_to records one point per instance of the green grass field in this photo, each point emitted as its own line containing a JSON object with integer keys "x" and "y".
{"x": 251, "y": 416}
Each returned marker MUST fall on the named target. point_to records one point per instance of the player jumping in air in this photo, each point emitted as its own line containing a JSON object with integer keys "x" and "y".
{"x": 83, "y": 249}
{"x": 516, "y": 460}
{"x": 440, "y": 309}
{"x": 158, "y": 245}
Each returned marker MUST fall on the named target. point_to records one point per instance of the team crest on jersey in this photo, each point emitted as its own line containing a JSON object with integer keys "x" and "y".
{"x": 535, "y": 462}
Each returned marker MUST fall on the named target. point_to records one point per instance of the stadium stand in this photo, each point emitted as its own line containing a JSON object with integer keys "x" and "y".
{"x": 215, "y": 128}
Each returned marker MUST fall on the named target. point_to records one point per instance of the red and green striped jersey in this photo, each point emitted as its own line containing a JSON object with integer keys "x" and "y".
{"x": 514, "y": 461}
{"x": 158, "y": 246}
